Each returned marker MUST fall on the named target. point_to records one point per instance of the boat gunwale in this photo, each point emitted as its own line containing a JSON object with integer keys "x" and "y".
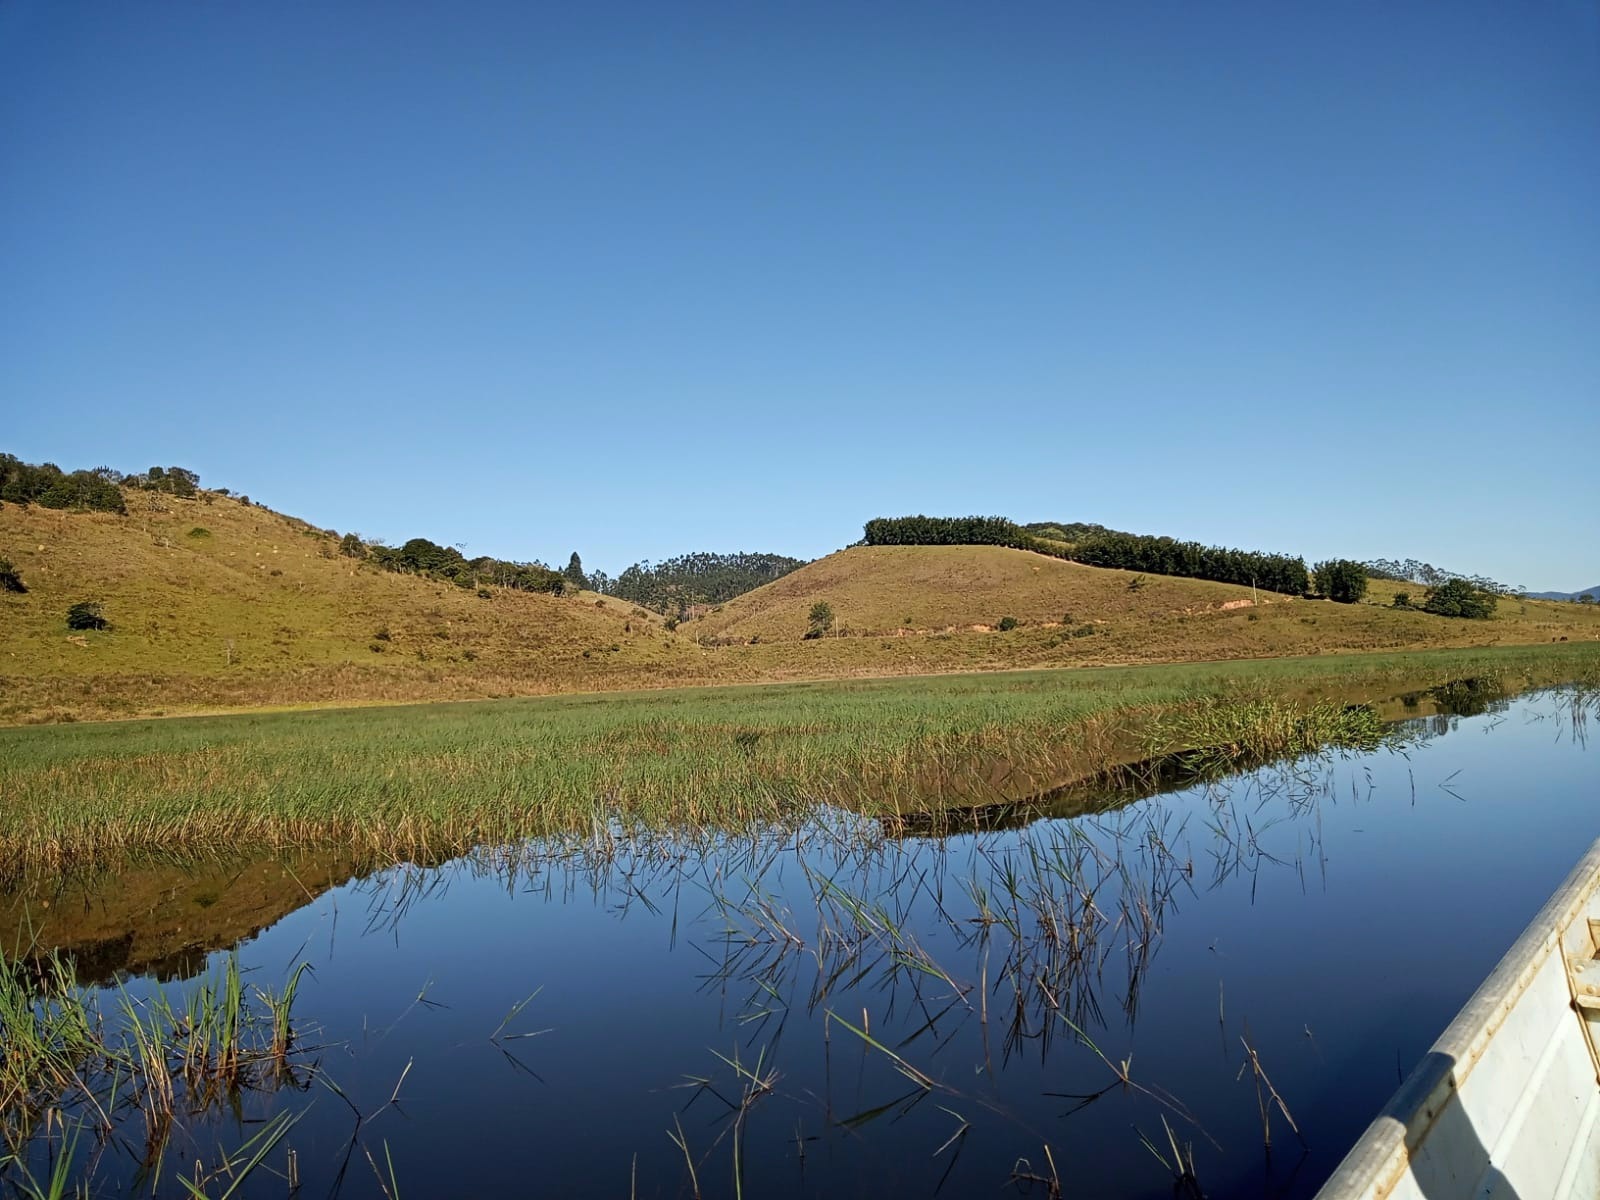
{"x": 1379, "y": 1159}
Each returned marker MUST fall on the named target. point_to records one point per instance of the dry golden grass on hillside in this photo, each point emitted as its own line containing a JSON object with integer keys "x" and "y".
{"x": 878, "y": 590}
{"x": 937, "y": 608}
{"x": 245, "y": 605}
{"x": 216, "y": 604}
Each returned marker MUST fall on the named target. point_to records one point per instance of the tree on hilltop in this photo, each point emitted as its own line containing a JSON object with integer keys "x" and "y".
{"x": 574, "y": 572}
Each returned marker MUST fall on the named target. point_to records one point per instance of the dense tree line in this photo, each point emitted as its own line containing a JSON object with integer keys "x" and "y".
{"x": 1100, "y": 547}
{"x": 673, "y": 585}
{"x": 419, "y": 556}
{"x": 1192, "y": 560}
{"x": 947, "y": 531}
{"x": 98, "y": 490}
{"x": 48, "y": 486}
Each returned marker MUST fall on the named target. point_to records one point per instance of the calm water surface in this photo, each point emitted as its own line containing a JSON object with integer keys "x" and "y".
{"x": 832, "y": 1011}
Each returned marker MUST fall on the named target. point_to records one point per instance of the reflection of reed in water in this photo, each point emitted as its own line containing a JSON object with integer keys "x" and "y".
{"x": 1051, "y": 930}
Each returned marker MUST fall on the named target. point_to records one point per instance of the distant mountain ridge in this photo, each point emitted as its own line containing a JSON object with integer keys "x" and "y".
{"x": 1591, "y": 591}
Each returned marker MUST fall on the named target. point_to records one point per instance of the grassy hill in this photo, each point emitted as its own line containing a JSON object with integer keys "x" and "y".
{"x": 878, "y": 590}
{"x": 218, "y": 604}
{"x": 214, "y": 602}
{"x": 942, "y": 606}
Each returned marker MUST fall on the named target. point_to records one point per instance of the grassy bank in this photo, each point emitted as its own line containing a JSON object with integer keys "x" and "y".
{"x": 420, "y": 781}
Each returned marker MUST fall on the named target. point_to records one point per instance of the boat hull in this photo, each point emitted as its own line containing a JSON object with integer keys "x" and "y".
{"x": 1507, "y": 1102}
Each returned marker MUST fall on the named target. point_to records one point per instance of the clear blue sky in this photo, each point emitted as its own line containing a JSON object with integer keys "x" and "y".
{"x": 643, "y": 279}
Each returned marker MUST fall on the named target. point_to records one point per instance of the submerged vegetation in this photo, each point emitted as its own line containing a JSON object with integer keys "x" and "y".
{"x": 78, "y": 1066}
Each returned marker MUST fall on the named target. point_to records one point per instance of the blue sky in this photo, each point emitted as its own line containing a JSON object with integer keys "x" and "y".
{"x": 644, "y": 279}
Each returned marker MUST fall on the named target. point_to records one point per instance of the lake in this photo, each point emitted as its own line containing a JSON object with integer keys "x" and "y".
{"x": 1090, "y": 995}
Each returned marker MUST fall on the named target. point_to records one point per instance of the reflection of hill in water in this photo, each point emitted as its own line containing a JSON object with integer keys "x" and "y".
{"x": 1420, "y": 715}
{"x": 161, "y": 919}
{"x": 1435, "y": 713}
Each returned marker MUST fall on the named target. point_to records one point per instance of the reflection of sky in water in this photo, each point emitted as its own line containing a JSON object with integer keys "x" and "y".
{"x": 1341, "y": 914}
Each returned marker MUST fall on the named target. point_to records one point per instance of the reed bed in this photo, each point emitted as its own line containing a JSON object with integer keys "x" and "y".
{"x": 424, "y": 782}
{"x": 83, "y": 1069}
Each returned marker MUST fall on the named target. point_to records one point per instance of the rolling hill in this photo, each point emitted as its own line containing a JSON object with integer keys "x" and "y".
{"x": 942, "y": 607}
{"x": 215, "y": 603}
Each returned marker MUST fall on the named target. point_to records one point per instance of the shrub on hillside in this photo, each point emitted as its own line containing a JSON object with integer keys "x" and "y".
{"x": 86, "y": 614}
{"x": 1461, "y": 598}
{"x": 1007, "y": 624}
{"x": 10, "y": 581}
{"x": 175, "y": 481}
{"x": 820, "y": 619}
{"x": 1402, "y": 600}
{"x": 351, "y": 546}
{"x": 1341, "y": 580}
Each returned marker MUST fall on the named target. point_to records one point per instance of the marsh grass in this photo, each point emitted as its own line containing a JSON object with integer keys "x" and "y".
{"x": 1217, "y": 738}
{"x": 426, "y": 782}
{"x": 75, "y": 1060}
